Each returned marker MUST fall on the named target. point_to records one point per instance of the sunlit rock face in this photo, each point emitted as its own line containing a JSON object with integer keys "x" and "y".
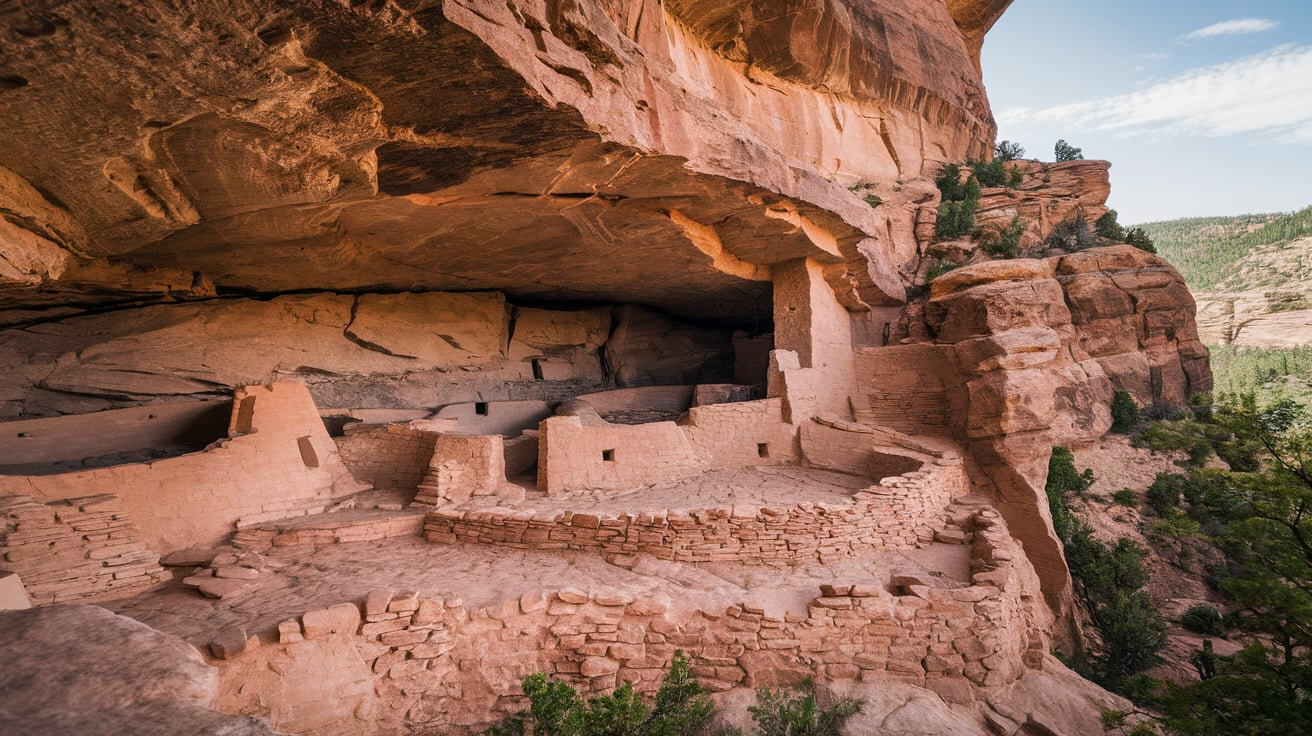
{"x": 587, "y": 246}
{"x": 658, "y": 153}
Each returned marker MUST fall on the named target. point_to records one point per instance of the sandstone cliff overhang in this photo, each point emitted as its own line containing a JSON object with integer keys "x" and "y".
{"x": 659, "y": 153}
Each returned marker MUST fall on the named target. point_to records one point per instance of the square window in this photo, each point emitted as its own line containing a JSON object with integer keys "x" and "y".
{"x": 480, "y": 408}
{"x": 608, "y": 455}
{"x": 763, "y": 449}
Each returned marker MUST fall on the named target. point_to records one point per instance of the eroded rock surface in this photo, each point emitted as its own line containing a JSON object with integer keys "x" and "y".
{"x": 82, "y": 669}
{"x": 480, "y": 215}
{"x": 303, "y": 148}
{"x": 1042, "y": 344}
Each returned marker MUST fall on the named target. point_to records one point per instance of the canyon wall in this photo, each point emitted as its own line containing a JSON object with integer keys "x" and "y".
{"x": 479, "y": 215}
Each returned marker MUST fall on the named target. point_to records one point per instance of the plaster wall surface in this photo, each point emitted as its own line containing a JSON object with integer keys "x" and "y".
{"x": 278, "y": 461}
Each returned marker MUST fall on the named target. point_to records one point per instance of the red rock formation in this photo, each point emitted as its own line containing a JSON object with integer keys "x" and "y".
{"x": 169, "y": 176}
{"x": 1048, "y": 194}
{"x": 1042, "y": 345}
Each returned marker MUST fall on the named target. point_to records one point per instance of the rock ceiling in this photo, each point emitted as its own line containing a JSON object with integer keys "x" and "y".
{"x": 561, "y": 150}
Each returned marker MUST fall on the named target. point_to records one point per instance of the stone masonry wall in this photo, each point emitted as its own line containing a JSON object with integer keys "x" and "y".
{"x": 436, "y": 664}
{"x": 897, "y": 513}
{"x": 390, "y": 456}
{"x": 277, "y": 462}
{"x": 74, "y": 549}
{"x": 573, "y": 456}
{"x": 741, "y": 434}
{"x": 906, "y": 387}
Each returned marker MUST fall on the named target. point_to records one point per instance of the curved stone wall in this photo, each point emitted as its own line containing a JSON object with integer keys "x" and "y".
{"x": 438, "y": 664}
{"x": 897, "y": 513}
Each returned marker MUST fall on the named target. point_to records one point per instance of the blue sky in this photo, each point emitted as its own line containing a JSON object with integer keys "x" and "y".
{"x": 1203, "y": 107}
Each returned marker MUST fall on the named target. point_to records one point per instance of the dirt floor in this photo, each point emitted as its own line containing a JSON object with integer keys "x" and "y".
{"x": 779, "y": 486}
{"x": 300, "y": 579}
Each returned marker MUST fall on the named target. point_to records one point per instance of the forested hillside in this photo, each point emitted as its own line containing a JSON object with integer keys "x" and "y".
{"x": 1210, "y": 251}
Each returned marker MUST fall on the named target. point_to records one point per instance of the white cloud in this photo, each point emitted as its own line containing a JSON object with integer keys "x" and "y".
{"x": 1268, "y": 93}
{"x": 1234, "y": 27}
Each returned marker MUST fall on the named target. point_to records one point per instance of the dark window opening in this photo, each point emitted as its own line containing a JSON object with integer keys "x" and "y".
{"x": 308, "y": 455}
{"x": 245, "y": 415}
{"x": 480, "y": 408}
{"x": 537, "y": 370}
{"x": 763, "y": 449}
{"x": 608, "y": 455}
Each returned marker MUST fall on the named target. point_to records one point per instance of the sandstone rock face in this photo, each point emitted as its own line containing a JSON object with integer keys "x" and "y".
{"x": 1048, "y": 194}
{"x": 1270, "y": 315}
{"x": 1042, "y": 345}
{"x": 350, "y": 350}
{"x": 82, "y": 669}
{"x": 535, "y": 145}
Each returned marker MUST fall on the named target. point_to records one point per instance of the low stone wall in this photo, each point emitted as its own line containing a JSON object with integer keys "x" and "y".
{"x": 388, "y": 456}
{"x": 74, "y": 549}
{"x": 899, "y": 512}
{"x": 436, "y": 664}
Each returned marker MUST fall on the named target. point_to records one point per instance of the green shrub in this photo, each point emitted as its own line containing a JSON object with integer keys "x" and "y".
{"x": 1125, "y": 412}
{"x": 956, "y": 213}
{"x": 1124, "y": 497}
{"x": 1064, "y": 479}
{"x": 1107, "y": 227}
{"x": 1176, "y": 526}
{"x": 1072, "y": 235}
{"x": 555, "y": 709}
{"x": 1203, "y": 620}
{"x": 1138, "y": 238}
{"x": 798, "y": 712}
{"x": 957, "y": 218}
{"x": 1066, "y": 152}
{"x": 994, "y": 173}
{"x": 874, "y": 200}
{"x": 1164, "y": 494}
{"x": 949, "y": 183}
{"x": 1109, "y": 579}
{"x": 1008, "y": 151}
{"x": 1007, "y": 242}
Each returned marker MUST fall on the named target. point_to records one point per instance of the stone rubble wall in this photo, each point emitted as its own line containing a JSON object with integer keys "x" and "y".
{"x": 278, "y": 462}
{"x": 438, "y": 664}
{"x": 326, "y": 530}
{"x": 75, "y": 549}
{"x": 387, "y": 456}
{"x": 897, "y": 513}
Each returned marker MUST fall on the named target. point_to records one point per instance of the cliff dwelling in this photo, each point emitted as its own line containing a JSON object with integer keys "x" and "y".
{"x": 362, "y": 359}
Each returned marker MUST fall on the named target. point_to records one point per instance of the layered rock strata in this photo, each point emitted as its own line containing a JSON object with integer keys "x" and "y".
{"x": 465, "y": 223}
